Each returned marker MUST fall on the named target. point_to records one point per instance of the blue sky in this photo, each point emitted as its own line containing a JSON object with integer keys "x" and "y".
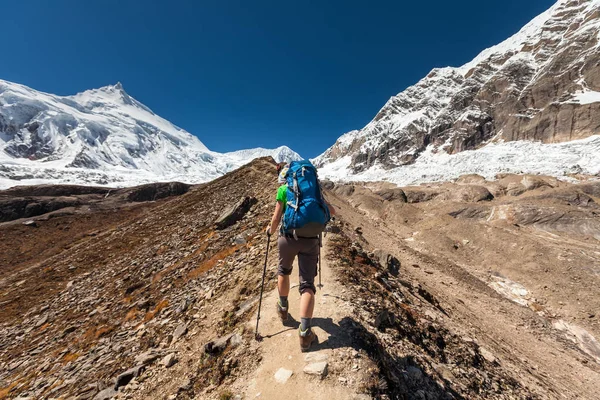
{"x": 242, "y": 74}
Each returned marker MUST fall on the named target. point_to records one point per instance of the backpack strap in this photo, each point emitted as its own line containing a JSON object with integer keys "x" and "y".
{"x": 296, "y": 192}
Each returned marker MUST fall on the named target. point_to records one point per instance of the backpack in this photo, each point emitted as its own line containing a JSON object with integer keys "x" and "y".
{"x": 306, "y": 213}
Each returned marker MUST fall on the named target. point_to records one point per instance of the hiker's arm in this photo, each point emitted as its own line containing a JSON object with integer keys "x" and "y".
{"x": 276, "y": 218}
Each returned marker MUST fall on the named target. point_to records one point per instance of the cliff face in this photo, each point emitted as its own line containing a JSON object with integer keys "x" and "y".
{"x": 542, "y": 84}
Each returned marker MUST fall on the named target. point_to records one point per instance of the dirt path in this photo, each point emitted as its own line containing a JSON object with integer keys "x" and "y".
{"x": 280, "y": 347}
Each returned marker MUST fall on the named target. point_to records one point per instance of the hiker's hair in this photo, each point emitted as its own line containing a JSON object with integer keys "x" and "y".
{"x": 280, "y": 166}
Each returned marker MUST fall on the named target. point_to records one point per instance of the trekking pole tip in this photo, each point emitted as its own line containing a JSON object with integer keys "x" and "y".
{"x": 258, "y": 337}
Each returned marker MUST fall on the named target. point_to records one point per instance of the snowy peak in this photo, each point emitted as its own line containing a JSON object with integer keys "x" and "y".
{"x": 111, "y": 94}
{"x": 102, "y": 136}
{"x": 280, "y": 154}
{"x": 541, "y": 84}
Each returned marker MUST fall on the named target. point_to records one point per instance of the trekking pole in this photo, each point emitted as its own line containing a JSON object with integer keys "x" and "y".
{"x": 320, "y": 245}
{"x": 262, "y": 286}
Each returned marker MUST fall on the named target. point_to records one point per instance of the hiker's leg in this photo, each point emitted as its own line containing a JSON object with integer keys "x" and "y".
{"x": 308, "y": 259}
{"x": 307, "y": 304}
{"x": 287, "y": 253}
{"x": 283, "y": 285}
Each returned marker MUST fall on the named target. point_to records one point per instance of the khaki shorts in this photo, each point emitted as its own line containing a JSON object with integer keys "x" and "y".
{"x": 307, "y": 251}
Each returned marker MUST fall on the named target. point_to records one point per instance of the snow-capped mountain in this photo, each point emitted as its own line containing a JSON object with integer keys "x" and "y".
{"x": 541, "y": 85}
{"x": 102, "y": 136}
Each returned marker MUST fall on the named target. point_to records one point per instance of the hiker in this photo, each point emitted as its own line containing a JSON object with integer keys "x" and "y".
{"x": 302, "y": 241}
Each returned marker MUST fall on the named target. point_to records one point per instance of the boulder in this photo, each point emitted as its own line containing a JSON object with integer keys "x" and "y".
{"x": 180, "y": 331}
{"x": 124, "y": 378}
{"x": 219, "y": 345}
{"x": 388, "y": 261}
{"x": 392, "y": 195}
{"x": 147, "y": 357}
{"x": 317, "y": 369}
{"x": 169, "y": 360}
{"x": 235, "y": 213}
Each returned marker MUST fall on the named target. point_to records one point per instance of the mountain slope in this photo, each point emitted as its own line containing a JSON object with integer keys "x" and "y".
{"x": 159, "y": 298}
{"x": 102, "y": 136}
{"x": 542, "y": 84}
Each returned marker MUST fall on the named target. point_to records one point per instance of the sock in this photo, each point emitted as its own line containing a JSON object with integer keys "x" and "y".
{"x": 304, "y": 324}
{"x": 283, "y": 301}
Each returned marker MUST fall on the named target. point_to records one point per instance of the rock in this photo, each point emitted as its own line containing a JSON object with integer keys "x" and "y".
{"x": 185, "y": 386}
{"x": 69, "y": 330}
{"x": 239, "y": 240}
{"x": 147, "y": 358}
{"x": 234, "y": 213}
{"x": 106, "y": 394}
{"x": 534, "y": 182}
{"x": 444, "y": 372}
{"x": 420, "y": 195}
{"x": 218, "y": 345}
{"x": 396, "y": 194}
{"x": 126, "y": 377}
{"x": 487, "y": 355}
{"x": 383, "y": 320}
{"x": 209, "y": 294}
{"x": 31, "y": 223}
{"x": 169, "y": 360}
{"x": 386, "y": 260}
{"x": 41, "y": 321}
{"x": 183, "y": 306}
{"x": 236, "y": 340}
{"x": 282, "y": 375}
{"x": 318, "y": 369}
{"x": 180, "y": 331}
{"x": 414, "y": 375}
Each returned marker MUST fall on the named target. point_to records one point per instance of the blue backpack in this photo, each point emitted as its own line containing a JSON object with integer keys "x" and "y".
{"x": 306, "y": 213}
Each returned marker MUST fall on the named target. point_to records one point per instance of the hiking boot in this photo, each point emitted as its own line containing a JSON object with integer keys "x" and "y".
{"x": 282, "y": 312}
{"x": 307, "y": 338}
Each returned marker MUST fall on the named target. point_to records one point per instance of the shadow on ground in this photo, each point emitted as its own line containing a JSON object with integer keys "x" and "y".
{"x": 398, "y": 378}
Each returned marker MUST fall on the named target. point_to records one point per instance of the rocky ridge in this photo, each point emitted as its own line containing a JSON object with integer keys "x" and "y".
{"x": 542, "y": 84}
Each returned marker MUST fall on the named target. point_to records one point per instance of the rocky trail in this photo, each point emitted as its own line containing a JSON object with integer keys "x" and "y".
{"x": 285, "y": 369}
